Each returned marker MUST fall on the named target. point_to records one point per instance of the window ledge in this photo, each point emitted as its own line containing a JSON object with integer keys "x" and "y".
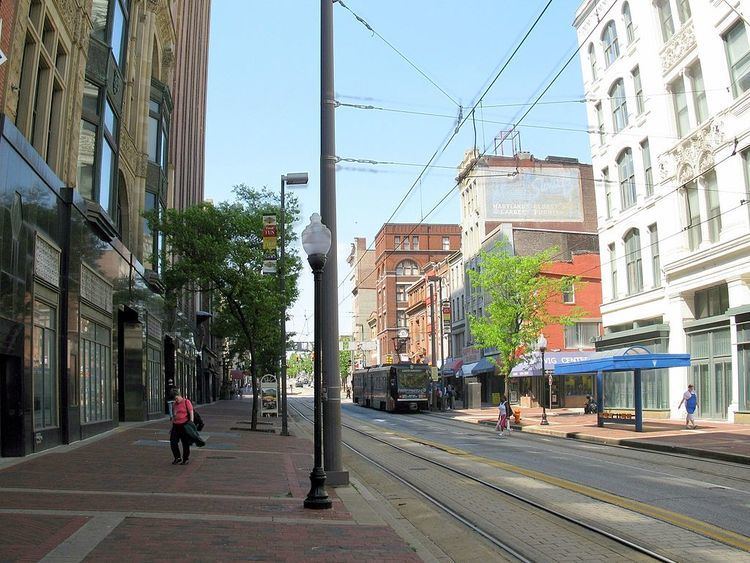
{"x": 100, "y": 221}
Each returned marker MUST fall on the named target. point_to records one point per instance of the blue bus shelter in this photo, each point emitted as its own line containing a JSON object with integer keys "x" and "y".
{"x": 635, "y": 359}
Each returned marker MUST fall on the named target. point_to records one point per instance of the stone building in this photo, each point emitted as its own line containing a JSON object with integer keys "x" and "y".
{"x": 85, "y": 127}
{"x": 402, "y": 250}
{"x": 361, "y": 262}
{"x": 667, "y": 85}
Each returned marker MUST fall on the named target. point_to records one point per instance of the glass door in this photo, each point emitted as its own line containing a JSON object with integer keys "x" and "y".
{"x": 711, "y": 372}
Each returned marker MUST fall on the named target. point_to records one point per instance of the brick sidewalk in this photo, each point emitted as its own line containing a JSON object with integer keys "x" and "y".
{"x": 713, "y": 440}
{"x": 118, "y": 498}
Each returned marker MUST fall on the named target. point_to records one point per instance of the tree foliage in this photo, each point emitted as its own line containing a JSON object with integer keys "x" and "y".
{"x": 299, "y": 364}
{"x": 218, "y": 248}
{"x": 516, "y": 298}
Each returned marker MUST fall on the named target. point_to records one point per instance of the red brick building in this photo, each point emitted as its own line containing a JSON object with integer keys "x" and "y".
{"x": 7, "y": 16}
{"x": 424, "y": 316}
{"x": 402, "y": 251}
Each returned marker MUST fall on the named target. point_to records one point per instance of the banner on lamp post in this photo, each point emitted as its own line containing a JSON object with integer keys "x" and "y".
{"x": 269, "y": 232}
{"x": 446, "y": 312}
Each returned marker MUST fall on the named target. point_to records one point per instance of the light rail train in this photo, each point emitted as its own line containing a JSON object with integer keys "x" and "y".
{"x": 395, "y": 387}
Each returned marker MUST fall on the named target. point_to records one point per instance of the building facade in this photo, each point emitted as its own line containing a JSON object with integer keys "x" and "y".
{"x": 402, "y": 250}
{"x": 87, "y": 339}
{"x": 668, "y": 90}
{"x": 529, "y": 205}
{"x": 361, "y": 262}
{"x": 428, "y": 316}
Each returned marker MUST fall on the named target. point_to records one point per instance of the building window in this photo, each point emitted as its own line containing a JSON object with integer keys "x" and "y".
{"x": 626, "y": 173}
{"x": 683, "y": 10}
{"x": 96, "y": 372}
{"x": 619, "y": 105}
{"x": 401, "y": 293}
{"x": 712, "y": 206}
{"x": 405, "y": 243}
{"x": 613, "y": 269}
{"x": 680, "y": 104}
{"x": 648, "y": 175}
{"x": 638, "y": 89}
{"x": 446, "y": 243}
{"x": 44, "y": 363}
{"x": 743, "y": 357}
{"x": 628, "y": 20}
{"x": 600, "y": 122}
{"x": 568, "y": 293}
{"x": 738, "y": 58}
{"x": 665, "y": 19}
{"x": 700, "y": 102}
{"x": 397, "y": 242}
{"x": 155, "y": 379}
{"x": 158, "y": 133}
{"x": 401, "y": 319}
{"x": 693, "y": 215}
{"x": 711, "y": 302}
{"x": 109, "y": 20}
{"x": 407, "y": 268}
{"x": 592, "y": 61}
{"x": 655, "y": 263}
{"x": 609, "y": 43}
{"x": 607, "y": 192}
{"x": 633, "y": 267}
{"x": 42, "y": 85}
{"x": 582, "y": 334}
{"x": 415, "y": 243}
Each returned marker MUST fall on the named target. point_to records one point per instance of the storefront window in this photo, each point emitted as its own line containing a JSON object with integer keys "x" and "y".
{"x": 711, "y": 371}
{"x": 44, "y": 364}
{"x": 96, "y": 372}
{"x": 155, "y": 380}
{"x": 743, "y": 357}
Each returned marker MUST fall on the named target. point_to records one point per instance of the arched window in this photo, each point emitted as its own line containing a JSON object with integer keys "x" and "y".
{"x": 628, "y": 20}
{"x": 633, "y": 264}
{"x": 626, "y": 173}
{"x": 592, "y": 61}
{"x": 609, "y": 42}
{"x": 407, "y": 268}
{"x": 619, "y": 105}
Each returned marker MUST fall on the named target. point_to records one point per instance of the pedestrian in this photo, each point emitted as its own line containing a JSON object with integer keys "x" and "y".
{"x": 691, "y": 403}
{"x": 502, "y": 416}
{"x": 450, "y": 393}
{"x": 439, "y": 393}
{"x": 182, "y": 415}
{"x": 348, "y": 392}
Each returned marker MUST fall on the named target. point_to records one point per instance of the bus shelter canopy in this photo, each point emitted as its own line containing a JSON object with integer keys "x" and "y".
{"x": 624, "y": 359}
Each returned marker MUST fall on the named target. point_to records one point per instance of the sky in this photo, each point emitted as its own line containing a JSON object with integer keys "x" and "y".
{"x": 263, "y": 116}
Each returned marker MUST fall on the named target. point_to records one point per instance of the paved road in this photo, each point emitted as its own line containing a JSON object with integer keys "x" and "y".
{"x": 711, "y": 491}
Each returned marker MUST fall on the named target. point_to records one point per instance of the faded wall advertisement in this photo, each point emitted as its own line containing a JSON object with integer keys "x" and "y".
{"x": 547, "y": 194}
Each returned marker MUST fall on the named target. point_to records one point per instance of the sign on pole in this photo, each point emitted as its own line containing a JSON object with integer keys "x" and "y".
{"x": 269, "y": 392}
{"x": 269, "y": 244}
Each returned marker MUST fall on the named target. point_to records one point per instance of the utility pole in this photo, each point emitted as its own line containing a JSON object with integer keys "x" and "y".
{"x": 330, "y": 316}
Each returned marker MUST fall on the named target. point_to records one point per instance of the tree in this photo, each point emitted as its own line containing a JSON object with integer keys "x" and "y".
{"x": 345, "y": 359}
{"x": 219, "y": 248}
{"x": 300, "y": 363}
{"x": 516, "y": 298}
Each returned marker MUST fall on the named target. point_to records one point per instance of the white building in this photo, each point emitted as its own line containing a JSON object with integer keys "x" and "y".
{"x": 668, "y": 90}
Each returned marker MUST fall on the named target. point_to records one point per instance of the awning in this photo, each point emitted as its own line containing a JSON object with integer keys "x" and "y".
{"x": 451, "y": 366}
{"x": 477, "y": 368}
{"x": 552, "y": 361}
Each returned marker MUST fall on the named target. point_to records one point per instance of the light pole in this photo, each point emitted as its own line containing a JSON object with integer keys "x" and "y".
{"x": 299, "y": 179}
{"x": 316, "y": 240}
{"x": 542, "y": 345}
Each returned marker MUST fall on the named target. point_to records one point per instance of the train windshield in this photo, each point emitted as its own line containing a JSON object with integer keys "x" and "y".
{"x": 413, "y": 379}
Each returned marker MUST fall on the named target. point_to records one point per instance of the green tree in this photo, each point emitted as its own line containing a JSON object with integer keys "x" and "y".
{"x": 345, "y": 359}
{"x": 300, "y": 363}
{"x": 516, "y": 298}
{"x": 219, "y": 248}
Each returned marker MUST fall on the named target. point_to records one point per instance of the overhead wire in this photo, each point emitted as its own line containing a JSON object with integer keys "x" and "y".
{"x": 452, "y": 135}
{"x": 372, "y": 30}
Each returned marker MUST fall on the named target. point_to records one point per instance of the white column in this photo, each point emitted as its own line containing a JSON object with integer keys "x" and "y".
{"x": 677, "y": 312}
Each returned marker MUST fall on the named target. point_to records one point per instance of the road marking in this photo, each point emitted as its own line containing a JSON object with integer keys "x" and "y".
{"x": 711, "y": 531}
{"x": 85, "y": 539}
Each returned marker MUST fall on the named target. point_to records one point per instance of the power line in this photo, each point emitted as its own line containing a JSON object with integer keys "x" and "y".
{"x": 399, "y": 53}
{"x": 451, "y": 136}
{"x": 743, "y": 18}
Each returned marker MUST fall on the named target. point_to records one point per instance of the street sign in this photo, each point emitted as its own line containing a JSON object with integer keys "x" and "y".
{"x": 388, "y": 359}
{"x": 269, "y": 393}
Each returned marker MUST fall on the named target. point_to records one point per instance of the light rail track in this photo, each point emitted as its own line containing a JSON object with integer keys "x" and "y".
{"x": 510, "y": 494}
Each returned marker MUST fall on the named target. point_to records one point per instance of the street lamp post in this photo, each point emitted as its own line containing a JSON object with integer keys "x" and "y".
{"x": 316, "y": 240}
{"x": 542, "y": 345}
{"x": 297, "y": 178}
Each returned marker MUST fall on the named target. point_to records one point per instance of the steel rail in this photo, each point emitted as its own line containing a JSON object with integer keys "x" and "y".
{"x": 511, "y": 494}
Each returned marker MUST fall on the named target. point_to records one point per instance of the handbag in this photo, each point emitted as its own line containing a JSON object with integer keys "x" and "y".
{"x": 197, "y": 420}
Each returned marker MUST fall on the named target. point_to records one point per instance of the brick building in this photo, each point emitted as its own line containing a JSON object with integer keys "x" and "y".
{"x": 402, "y": 250}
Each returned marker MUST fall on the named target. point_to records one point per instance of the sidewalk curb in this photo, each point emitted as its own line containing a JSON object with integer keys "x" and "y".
{"x": 627, "y": 442}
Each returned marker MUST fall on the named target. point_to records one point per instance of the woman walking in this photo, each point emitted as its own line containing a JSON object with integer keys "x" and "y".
{"x": 182, "y": 414}
{"x": 502, "y": 419}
